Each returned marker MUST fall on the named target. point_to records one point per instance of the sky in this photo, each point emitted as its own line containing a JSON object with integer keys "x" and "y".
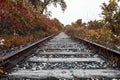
{"x": 78, "y": 9}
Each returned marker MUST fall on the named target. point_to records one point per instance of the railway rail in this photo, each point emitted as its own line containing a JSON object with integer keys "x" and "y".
{"x": 11, "y": 59}
{"x": 112, "y": 55}
{"x": 62, "y": 58}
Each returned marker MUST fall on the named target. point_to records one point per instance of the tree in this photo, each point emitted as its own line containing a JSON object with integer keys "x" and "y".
{"x": 79, "y": 22}
{"x": 58, "y": 24}
{"x": 37, "y": 4}
{"x": 43, "y": 4}
{"x": 95, "y": 24}
{"x": 111, "y": 16}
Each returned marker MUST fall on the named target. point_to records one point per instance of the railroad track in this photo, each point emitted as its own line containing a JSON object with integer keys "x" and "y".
{"x": 62, "y": 58}
{"x": 11, "y": 59}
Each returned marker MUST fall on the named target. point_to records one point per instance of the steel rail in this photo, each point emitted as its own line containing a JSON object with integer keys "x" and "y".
{"x": 108, "y": 53}
{"x": 9, "y": 61}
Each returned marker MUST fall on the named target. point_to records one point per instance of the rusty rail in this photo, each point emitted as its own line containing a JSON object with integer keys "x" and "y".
{"x": 112, "y": 55}
{"x": 9, "y": 61}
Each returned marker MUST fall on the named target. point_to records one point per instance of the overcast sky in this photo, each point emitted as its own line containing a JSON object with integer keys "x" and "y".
{"x": 78, "y": 9}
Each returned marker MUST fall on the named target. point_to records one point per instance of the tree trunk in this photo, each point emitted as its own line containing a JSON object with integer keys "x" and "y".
{"x": 45, "y": 3}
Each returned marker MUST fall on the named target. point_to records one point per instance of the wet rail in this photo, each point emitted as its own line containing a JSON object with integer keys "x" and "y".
{"x": 63, "y": 58}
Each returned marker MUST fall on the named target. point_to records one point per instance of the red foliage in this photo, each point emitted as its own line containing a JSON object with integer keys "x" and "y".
{"x": 22, "y": 17}
{"x": 3, "y": 15}
{"x": 2, "y": 3}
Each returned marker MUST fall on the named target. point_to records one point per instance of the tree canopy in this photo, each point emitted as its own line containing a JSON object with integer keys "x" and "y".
{"x": 111, "y": 15}
{"x": 42, "y": 5}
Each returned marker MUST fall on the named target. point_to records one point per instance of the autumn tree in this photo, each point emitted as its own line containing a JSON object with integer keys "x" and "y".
{"x": 95, "y": 24}
{"x": 20, "y": 17}
{"x": 79, "y": 22}
{"x": 43, "y": 4}
{"x": 58, "y": 24}
{"x": 111, "y": 16}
